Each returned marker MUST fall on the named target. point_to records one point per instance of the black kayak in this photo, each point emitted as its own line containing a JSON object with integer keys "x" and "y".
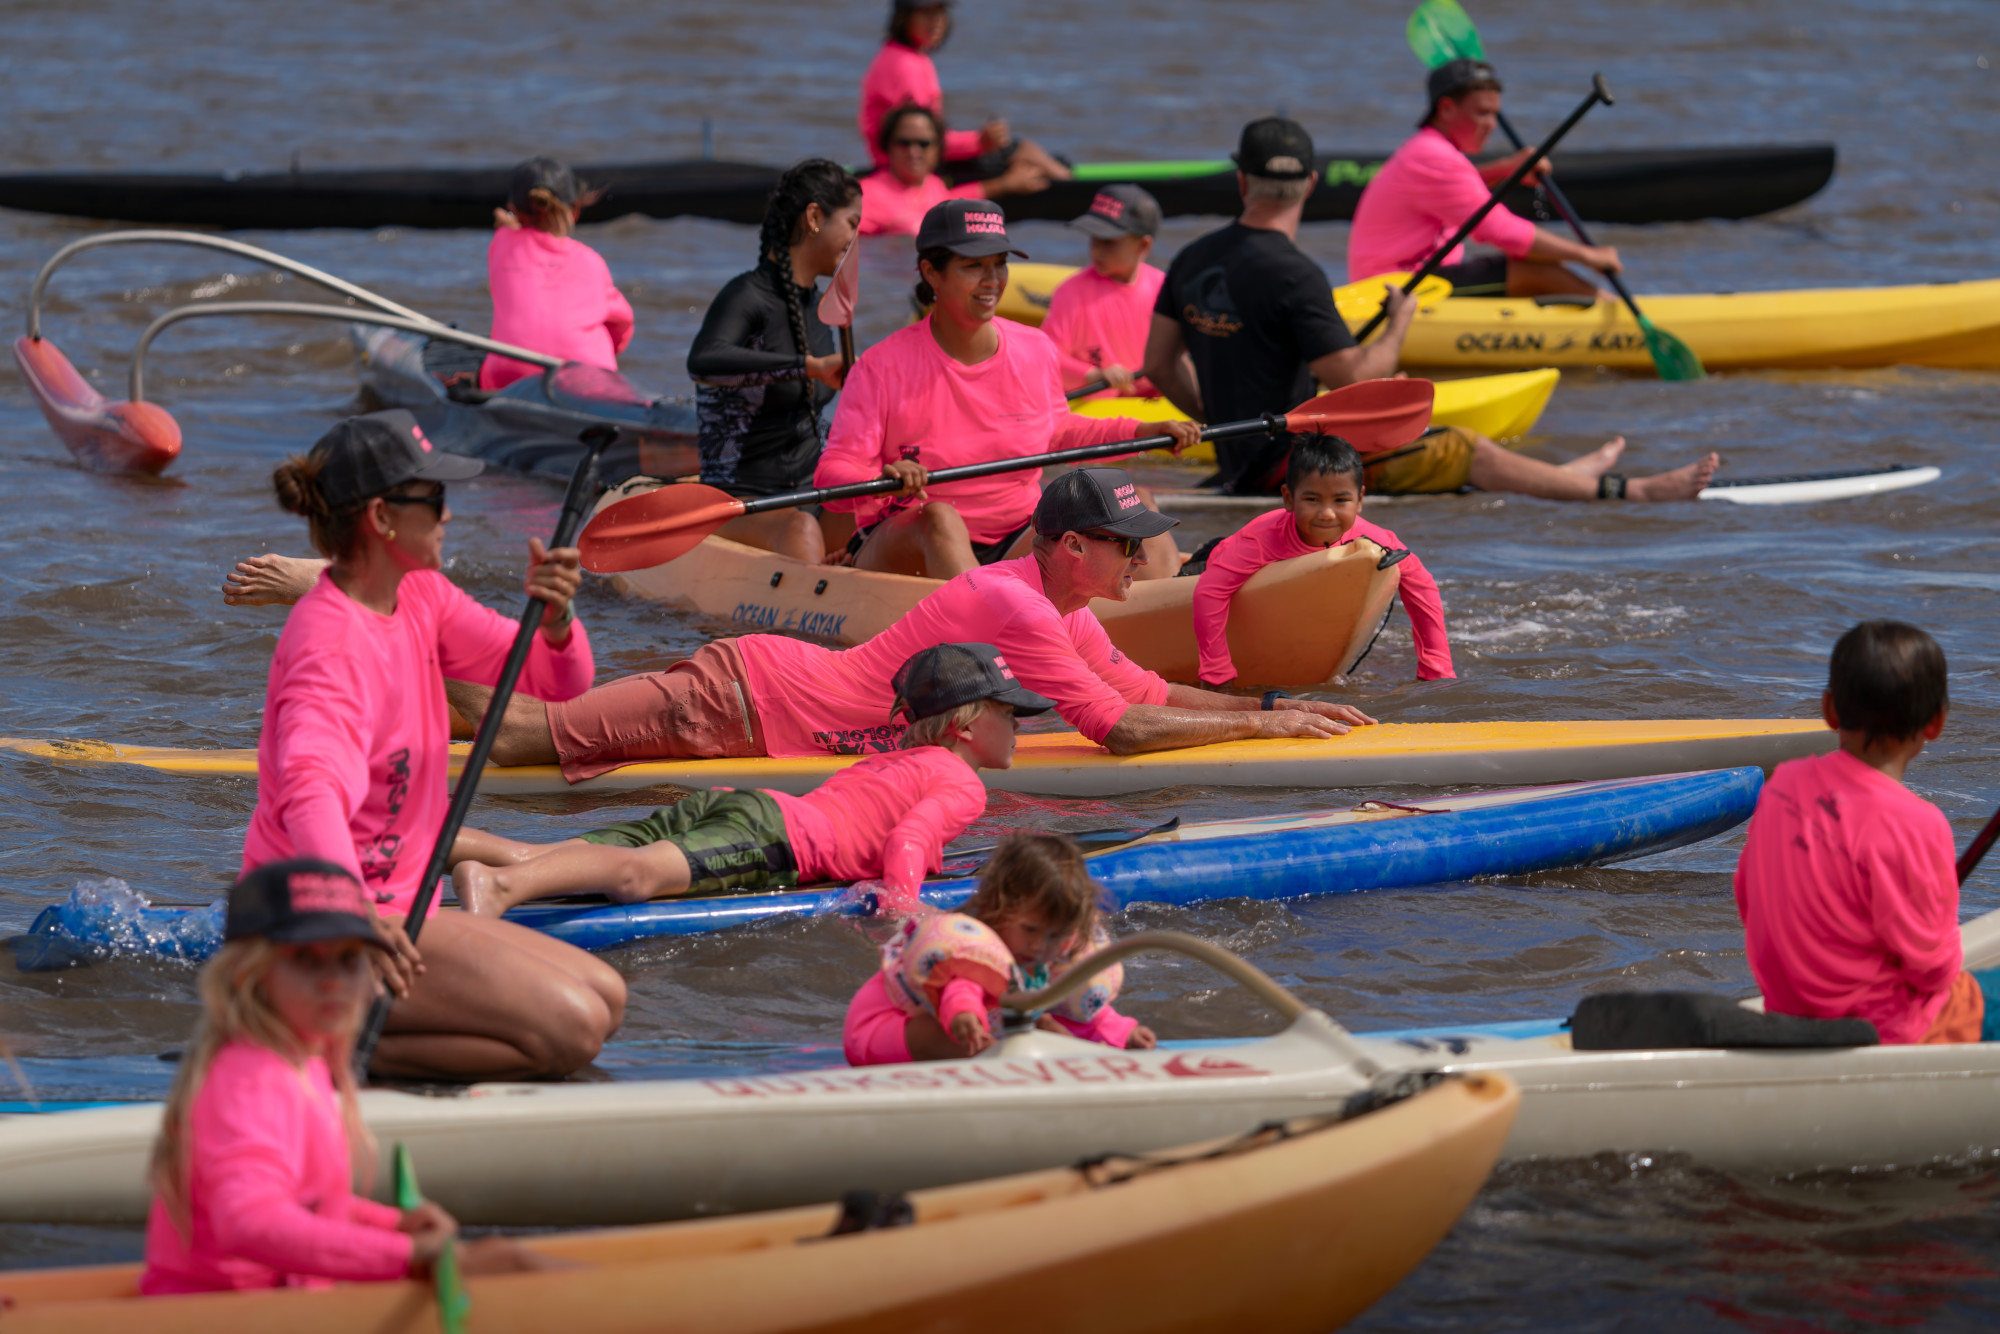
{"x": 1636, "y": 186}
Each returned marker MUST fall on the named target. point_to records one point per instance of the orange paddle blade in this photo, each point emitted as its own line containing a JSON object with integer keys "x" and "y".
{"x": 654, "y": 526}
{"x": 1372, "y": 416}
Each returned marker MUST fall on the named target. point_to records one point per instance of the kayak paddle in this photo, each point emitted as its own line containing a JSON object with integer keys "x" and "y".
{"x": 1440, "y": 31}
{"x": 453, "y": 1303}
{"x": 1598, "y": 93}
{"x": 669, "y": 521}
{"x": 1976, "y": 849}
{"x": 836, "y": 307}
{"x": 1097, "y": 386}
{"x": 582, "y": 490}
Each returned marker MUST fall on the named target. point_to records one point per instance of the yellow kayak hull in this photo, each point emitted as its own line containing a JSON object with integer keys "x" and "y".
{"x": 1029, "y": 287}
{"x": 1954, "y": 325}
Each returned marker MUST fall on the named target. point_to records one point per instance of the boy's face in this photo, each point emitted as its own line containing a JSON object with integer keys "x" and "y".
{"x": 1325, "y": 506}
{"x": 993, "y": 734}
{"x": 1119, "y": 257}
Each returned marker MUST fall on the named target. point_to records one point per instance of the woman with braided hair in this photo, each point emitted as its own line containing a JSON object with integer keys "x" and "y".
{"x": 765, "y": 367}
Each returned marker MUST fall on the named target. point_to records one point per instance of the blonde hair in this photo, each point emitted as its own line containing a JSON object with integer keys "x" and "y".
{"x": 1043, "y": 874}
{"x": 234, "y": 1005}
{"x": 1271, "y": 190}
{"x": 934, "y": 730}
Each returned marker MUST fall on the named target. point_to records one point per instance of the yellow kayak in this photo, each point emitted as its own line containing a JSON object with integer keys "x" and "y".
{"x": 1029, "y": 287}
{"x": 1499, "y": 406}
{"x": 1939, "y": 324}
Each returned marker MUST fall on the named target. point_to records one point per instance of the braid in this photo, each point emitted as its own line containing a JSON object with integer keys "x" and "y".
{"x": 813, "y": 181}
{"x": 796, "y": 309}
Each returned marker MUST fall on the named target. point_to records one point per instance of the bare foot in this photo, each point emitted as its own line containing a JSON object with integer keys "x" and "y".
{"x": 1598, "y": 461}
{"x": 1680, "y": 484}
{"x": 270, "y": 580}
{"x": 477, "y": 891}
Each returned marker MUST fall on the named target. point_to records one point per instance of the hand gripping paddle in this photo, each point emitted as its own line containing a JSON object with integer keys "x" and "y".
{"x": 668, "y": 522}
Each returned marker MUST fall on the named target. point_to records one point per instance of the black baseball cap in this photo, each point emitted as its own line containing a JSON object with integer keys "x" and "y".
{"x": 298, "y": 902}
{"x": 541, "y": 173}
{"x": 973, "y": 228}
{"x": 1121, "y": 210}
{"x": 1276, "y": 148}
{"x": 365, "y": 456}
{"x": 942, "y": 677}
{"x": 1097, "y": 500}
{"x": 1454, "y": 76}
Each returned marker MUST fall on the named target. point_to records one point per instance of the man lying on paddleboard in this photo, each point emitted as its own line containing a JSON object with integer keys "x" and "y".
{"x": 1255, "y": 317}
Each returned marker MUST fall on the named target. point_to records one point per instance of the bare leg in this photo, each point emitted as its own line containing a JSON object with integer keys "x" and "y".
{"x": 271, "y": 580}
{"x": 929, "y": 1042}
{"x": 1163, "y": 556}
{"x": 498, "y": 1001}
{"x": 836, "y": 528}
{"x": 476, "y": 845}
{"x": 524, "y": 734}
{"x": 1538, "y": 277}
{"x": 793, "y": 533}
{"x": 1497, "y": 469}
{"x": 1680, "y": 484}
{"x": 623, "y": 875}
{"x": 930, "y": 541}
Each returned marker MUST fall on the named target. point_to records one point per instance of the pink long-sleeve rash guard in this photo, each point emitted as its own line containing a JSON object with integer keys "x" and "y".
{"x": 888, "y": 817}
{"x": 1420, "y": 197}
{"x": 551, "y": 294}
{"x": 351, "y": 761}
{"x": 903, "y": 76}
{"x": 905, "y": 399}
{"x": 1096, "y": 321}
{"x": 270, "y": 1188}
{"x": 1275, "y": 537}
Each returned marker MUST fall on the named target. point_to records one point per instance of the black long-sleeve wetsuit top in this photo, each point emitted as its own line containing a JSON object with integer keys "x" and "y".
{"x": 752, "y": 396}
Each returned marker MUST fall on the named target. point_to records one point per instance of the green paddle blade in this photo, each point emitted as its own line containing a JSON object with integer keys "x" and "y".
{"x": 1440, "y": 30}
{"x": 1672, "y": 358}
{"x": 453, "y": 1303}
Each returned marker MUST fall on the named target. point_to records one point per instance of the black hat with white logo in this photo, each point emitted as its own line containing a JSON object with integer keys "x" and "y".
{"x": 1097, "y": 500}
{"x": 974, "y": 228}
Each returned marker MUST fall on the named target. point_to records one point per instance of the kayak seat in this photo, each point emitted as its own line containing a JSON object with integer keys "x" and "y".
{"x": 1577, "y": 299}
{"x": 868, "y": 1211}
{"x": 1655, "y": 1020}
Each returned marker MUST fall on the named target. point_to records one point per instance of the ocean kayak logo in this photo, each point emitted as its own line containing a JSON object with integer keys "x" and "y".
{"x": 982, "y": 1074}
{"x": 1534, "y": 342}
{"x": 1210, "y": 1067}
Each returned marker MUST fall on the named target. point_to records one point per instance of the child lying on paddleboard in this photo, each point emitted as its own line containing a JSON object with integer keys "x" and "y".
{"x": 1034, "y": 914}
{"x": 887, "y": 817}
{"x": 1322, "y": 496}
{"x": 253, "y": 1184}
{"x": 1848, "y": 883}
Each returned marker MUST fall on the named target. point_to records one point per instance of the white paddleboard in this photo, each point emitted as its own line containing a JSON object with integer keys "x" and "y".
{"x": 1810, "y": 488}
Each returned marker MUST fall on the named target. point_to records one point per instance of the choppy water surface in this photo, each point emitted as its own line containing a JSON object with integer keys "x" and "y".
{"x": 112, "y": 626}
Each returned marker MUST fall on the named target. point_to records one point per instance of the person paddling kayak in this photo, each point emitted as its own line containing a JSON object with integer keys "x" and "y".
{"x": 903, "y": 74}
{"x": 351, "y": 759}
{"x": 765, "y": 367}
{"x": 1252, "y": 317}
{"x": 1430, "y": 186}
{"x": 551, "y": 292}
{"x": 1099, "y": 316}
{"x": 895, "y": 198}
{"x": 961, "y": 386}
{"x": 771, "y": 695}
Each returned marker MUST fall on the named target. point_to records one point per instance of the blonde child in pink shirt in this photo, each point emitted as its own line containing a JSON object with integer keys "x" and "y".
{"x": 551, "y": 292}
{"x": 1848, "y": 886}
{"x": 1034, "y": 914}
{"x": 1099, "y": 317}
{"x": 1322, "y": 493}
{"x": 253, "y": 1168}
{"x": 886, "y": 818}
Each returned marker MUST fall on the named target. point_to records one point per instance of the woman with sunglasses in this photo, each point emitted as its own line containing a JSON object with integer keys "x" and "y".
{"x": 959, "y": 387}
{"x": 351, "y": 761}
{"x": 896, "y": 196}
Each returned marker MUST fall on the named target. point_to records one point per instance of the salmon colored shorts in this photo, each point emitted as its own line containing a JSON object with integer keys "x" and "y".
{"x": 697, "y": 709}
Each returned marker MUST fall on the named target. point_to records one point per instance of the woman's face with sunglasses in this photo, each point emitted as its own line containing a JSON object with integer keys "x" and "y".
{"x": 414, "y": 516}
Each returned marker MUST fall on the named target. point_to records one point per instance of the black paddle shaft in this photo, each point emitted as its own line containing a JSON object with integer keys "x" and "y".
{"x": 1598, "y": 93}
{"x": 1976, "y": 849}
{"x": 582, "y": 490}
{"x": 1272, "y": 423}
{"x": 1572, "y": 217}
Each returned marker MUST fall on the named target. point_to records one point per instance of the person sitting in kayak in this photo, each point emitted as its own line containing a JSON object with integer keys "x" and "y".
{"x": 551, "y": 292}
{"x": 903, "y": 74}
{"x": 252, "y": 1168}
{"x": 778, "y": 696}
{"x": 960, "y": 386}
{"x": 1848, "y": 885}
{"x": 1034, "y": 914}
{"x": 1099, "y": 316}
{"x": 1323, "y": 491}
{"x": 886, "y": 818}
{"x": 765, "y": 367}
{"x": 352, "y": 756}
{"x": 1423, "y": 194}
{"x": 1246, "y": 323}
{"x": 896, "y": 197}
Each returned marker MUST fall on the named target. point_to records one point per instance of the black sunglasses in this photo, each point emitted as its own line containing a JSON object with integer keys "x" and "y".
{"x": 1130, "y": 545}
{"x": 435, "y": 500}
{"x": 911, "y": 143}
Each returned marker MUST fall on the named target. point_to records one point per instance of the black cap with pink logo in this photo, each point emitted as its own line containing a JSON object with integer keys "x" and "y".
{"x": 1097, "y": 500}
{"x": 363, "y": 457}
{"x": 1120, "y": 210}
{"x": 299, "y": 902}
{"x": 939, "y": 679}
{"x": 974, "y": 228}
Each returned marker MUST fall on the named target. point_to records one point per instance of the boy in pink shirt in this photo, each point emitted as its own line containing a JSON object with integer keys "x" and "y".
{"x": 551, "y": 292}
{"x": 1099, "y": 317}
{"x": 885, "y": 818}
{"x": 1322, "y": 492}
{"x": 1847, "y": 885}
{"x": 1427, "y": 189}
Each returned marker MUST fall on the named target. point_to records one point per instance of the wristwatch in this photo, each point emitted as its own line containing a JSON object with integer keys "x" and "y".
{"x": 1271, "y": 698}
